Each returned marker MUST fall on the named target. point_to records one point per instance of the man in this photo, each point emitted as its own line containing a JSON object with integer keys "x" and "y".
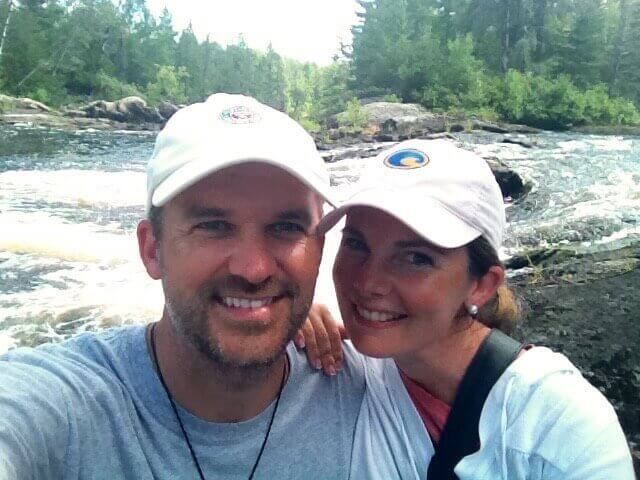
{"x": 214, "y": 389}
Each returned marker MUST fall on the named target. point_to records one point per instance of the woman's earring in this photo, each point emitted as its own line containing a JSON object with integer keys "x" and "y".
{"x": 472, "y": 310}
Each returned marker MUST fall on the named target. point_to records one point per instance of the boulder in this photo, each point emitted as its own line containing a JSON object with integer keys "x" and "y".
{"x": 390, "y": 121}
{"x": 502, "y": 127}
{"x": 128, "y": 109}
{"x": 511, "y": 184}
{"x": 23, "y": 104}
{"x": 523, "y": 142}
{"x": 401, "y": 121}
{"x": 135, "y": 109}
{"x": 166, "y": 109}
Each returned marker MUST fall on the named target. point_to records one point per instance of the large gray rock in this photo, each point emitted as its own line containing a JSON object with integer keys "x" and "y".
{"x": 398, "y": 121}
{"x": 167, "y": 109}
{"x": 15, "y": 104}
{"x": 128, "y": 109}
{"x": 380, "y": 112}
{"x": 511, "y": 184}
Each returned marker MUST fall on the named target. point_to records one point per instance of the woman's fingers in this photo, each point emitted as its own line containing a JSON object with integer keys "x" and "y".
{"x": 332, "y": 352}
{"x": 322, "y": 337}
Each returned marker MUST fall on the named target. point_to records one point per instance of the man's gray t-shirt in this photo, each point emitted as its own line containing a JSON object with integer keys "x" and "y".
{"x": 94, "y": 408}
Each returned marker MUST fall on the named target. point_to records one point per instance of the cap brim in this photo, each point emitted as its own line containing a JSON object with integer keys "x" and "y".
{"x": 194, "y": 171}
{"x": 428, "y": 218}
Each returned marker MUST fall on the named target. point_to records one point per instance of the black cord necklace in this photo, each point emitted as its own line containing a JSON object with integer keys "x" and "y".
{"x": 184, "y": 432}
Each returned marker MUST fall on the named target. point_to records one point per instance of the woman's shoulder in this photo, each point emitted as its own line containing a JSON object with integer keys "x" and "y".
{"x": 545, "y": 385}
{"x": 542, "y": 407}
{"x": 542, "y": 378}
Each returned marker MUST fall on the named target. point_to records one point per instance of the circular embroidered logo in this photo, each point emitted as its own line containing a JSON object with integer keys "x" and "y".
{"x": 406, "y": 159}
{"x": 239, "y": 115}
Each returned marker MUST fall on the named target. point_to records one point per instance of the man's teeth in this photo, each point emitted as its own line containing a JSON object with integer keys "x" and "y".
{"x": 378, "y": 316}
{"x": 246, "y": 302}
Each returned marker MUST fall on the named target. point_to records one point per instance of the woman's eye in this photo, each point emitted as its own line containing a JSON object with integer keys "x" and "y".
{"x": 215, "y": 226}
{"x": 354, "y": 243}
{"x": 416, "y": 259}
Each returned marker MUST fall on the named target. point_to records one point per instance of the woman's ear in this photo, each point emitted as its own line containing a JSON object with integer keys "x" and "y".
{"x": 486, "y": 286}
{"x": 149, "y": 249}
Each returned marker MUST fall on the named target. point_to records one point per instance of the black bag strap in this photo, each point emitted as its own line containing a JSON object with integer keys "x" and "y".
{"x": 460, "y": 436}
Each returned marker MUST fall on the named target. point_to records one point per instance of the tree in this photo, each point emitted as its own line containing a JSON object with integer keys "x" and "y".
{"x": 188, "y": 56}
{"x": 5, "y": 25}
{"x": 270, "y": 79}
{"x": 583, "y": 53}
{"x": 624, "y": 78}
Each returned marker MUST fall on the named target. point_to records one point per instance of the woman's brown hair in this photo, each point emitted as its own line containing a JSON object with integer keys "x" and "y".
{"x": 503, "y": 310}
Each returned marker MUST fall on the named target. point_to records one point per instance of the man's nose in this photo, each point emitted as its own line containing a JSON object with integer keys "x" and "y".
{"x": 252, "y": 260}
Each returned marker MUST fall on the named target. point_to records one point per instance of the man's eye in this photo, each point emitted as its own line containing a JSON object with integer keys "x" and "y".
{"x": 354, "y": 243}
{"x": 219, "y": 226}
{"x": 287, "y": 227}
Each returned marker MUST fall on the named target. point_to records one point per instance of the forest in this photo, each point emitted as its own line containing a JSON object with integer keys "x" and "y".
{"x": 547, "y": 63}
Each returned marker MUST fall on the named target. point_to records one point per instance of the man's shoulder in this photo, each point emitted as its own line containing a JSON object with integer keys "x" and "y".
{"x": 82, "y": 357}
{"x": 350, "y": 379}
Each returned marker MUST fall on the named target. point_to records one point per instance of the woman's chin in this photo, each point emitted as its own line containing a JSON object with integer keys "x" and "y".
{"x": 372, "y": 347}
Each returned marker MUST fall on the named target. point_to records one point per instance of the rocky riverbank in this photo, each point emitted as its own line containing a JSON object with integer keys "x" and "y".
{"x": 387, "y": 122}
{"x": 588, "y": 307}
{"x": 129, "y": 113}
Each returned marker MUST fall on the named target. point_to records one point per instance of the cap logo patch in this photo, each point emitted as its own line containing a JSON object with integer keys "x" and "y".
{"x": 239, "y": 115}
{"x": 406, "y": 159}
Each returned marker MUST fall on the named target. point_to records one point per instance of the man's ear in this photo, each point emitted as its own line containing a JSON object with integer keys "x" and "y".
{"x": 148, "y": 247}
{"x": 486, "y": 286}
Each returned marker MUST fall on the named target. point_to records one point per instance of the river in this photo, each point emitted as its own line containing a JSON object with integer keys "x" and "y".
{"x": 70, "y": 202}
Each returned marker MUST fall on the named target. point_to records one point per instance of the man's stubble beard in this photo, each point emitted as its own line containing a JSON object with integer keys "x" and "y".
{"x": 191, "y": 321}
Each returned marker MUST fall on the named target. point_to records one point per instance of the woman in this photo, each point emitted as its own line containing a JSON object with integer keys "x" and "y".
{"x": 420, "y": 288}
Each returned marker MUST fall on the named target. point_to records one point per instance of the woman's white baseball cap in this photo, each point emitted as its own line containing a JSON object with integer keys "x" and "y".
{"x": 447, "y": 195}
{"x": 226, "y": 130}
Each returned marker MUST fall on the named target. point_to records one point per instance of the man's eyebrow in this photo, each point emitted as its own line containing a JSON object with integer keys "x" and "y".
{"x": 300, "y": 215}
{"x": 197, "y": 211}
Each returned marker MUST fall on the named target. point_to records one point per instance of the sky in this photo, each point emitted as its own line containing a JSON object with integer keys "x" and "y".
{"x": 306, "y": 30}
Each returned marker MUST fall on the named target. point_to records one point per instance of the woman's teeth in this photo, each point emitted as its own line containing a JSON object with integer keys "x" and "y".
{"x": 236, "y": 302}
{"x": 378, "y": 316}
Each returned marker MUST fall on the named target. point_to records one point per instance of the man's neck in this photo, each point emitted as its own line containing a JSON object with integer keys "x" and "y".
{"x": 210, "y": 391}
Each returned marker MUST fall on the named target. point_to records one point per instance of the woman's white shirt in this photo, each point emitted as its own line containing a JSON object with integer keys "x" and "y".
{"x": 541, "y": 420}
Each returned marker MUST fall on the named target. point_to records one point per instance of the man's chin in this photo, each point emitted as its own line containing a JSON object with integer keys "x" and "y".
{"x": 247, "y": 354}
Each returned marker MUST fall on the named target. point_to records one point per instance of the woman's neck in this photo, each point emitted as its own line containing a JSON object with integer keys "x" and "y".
{"x": 439, "y": 368}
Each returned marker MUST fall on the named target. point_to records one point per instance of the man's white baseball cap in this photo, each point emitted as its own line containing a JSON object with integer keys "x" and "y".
{"x": 447, "y": 195}
{"x": 227, "y": 130}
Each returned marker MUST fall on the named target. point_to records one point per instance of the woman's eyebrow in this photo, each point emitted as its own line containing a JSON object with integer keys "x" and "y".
{"x": 352, "y": 231}
{"x": 419, "y": 243}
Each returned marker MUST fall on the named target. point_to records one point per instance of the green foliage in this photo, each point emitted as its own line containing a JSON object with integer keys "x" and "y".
{"x": 548, "y": 63}
{"x": 558, "y": 103}
{"x": 355, "y": 117}
{"x": 531, "y": 61}
{"x": 310, "y": 126}
{"x": 601, "y": 109}
{"x": 391, "y": 98}
{"x": 111, "y": 88}
{"x": 41, "y": 95}
{"x": 169, "y": 85}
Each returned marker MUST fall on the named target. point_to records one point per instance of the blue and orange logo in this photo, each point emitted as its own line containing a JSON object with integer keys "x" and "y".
{"x": 407, "y": 159}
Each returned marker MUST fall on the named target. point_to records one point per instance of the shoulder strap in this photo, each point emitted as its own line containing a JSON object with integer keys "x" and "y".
{"x": 460, "y": 436}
